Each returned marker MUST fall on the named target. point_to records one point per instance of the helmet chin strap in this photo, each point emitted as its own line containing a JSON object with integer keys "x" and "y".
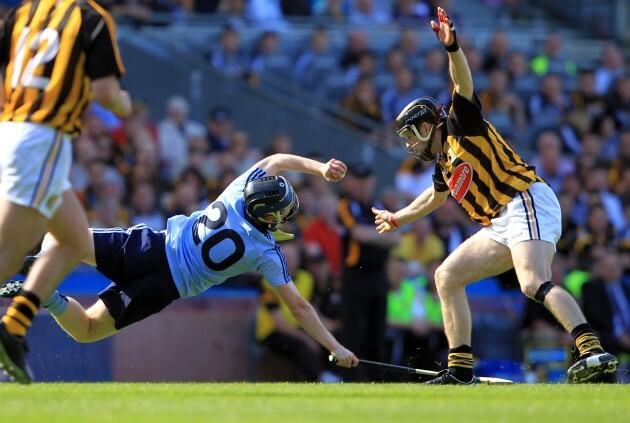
{"x": 426, "y": 154}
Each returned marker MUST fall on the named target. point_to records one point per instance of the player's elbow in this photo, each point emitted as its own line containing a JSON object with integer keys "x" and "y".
{"x": 108, "y": 94}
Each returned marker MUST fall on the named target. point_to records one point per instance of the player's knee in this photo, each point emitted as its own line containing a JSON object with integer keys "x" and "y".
{"x": 537, "y": 291}
{"x": 444, "y": 280}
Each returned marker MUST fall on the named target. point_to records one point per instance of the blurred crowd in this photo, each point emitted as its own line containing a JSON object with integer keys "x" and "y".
{"x": 572, "y": 122}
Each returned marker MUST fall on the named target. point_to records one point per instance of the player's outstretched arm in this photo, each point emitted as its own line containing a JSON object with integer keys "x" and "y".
{"x": 424, "y": 204}
{"x": 458, "y": 65}
{"x": 333, "y": 170}
{"x": 306, "y": 316}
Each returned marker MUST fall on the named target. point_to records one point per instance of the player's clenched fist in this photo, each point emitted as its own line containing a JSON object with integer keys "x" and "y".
{"x": 334, "y": 170}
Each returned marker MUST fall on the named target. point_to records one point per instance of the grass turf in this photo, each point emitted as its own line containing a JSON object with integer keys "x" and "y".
{"x": 289, "y": 402}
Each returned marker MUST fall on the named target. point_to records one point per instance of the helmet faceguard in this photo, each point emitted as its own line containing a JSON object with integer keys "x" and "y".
{"x": 409, "y": 122}
{"x": 270, "y": 197}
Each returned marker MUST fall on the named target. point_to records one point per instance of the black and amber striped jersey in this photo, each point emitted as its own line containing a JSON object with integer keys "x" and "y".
{"x": 356, "y": 254}
{"x": 481, "y": 170}
{"x": 50, "y": 52}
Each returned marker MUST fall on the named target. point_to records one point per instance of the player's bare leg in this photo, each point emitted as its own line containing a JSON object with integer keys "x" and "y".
{"x": 477, "y": 258}
{"x": 25, "y": 227}
{"x": 69, "y": 226}
{"x": 21, "y": 228}
{"x": 532, "y": 262}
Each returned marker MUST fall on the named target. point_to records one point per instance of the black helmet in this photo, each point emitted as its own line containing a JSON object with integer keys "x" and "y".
{"x": 409, "y": 121}
{"x": 270, "y": 195}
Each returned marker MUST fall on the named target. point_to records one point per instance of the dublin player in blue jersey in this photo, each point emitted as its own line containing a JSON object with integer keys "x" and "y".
{"x": 235, "y": 234}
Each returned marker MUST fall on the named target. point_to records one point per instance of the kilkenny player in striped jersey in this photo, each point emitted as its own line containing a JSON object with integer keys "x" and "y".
{"x": 519, "y": 211}
{"x": 56, "y": 56}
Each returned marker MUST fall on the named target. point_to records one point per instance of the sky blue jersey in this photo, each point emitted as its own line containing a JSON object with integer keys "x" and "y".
{"x": 209, "y": 246}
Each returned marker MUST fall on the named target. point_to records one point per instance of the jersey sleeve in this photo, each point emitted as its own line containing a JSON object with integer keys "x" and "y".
{"x": 238, "y": 185}
{"x": 465, "y": 117}
{"x": 439, "y": 184}
{"x": 102, "y": 55}
{"x": 274, "y": 268}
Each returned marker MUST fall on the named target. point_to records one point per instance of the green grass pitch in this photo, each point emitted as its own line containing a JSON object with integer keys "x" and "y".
{"x": 296, "y": 403}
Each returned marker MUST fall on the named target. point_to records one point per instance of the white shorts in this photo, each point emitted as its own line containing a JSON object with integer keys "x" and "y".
{"x": 34, "y": 165}
{"x": 532, "y": 214}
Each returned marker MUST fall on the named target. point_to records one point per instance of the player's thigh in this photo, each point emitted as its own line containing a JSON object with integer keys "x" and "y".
{"x": 69, "y": 225}
{"x": 532, "y": 263}
{"x": 476, "y": 258}
{"x": 102, "y": 323}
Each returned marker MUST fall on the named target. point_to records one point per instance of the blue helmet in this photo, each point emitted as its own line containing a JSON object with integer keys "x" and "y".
{"x": 270, "y": 195}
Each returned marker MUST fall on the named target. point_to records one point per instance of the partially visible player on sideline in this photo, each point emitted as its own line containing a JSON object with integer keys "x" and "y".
{"x": 235, "y": 234}
{"x": 56, "y": 55}
{"x": 499, "y": 190}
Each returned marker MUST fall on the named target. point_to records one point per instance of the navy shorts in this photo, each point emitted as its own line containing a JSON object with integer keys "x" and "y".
{"x": 135, "y": 261}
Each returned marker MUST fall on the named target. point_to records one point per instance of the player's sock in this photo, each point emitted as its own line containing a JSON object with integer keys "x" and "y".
{"x": 56, "y": 303}
{"x": 19, "y": 316}
{"x": 585, "y": 339}
{"x": 460, "y": 362}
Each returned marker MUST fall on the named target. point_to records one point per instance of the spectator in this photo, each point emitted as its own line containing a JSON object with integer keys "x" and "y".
{"x": 397, "y": 97}
{"x": 414, "y": 317}
{"x": 266, "y": 13}
{"x": 550, "y": 164}
{"x": 413, "y": 177}
{"x": 365, "y": 67}
{"x": 598, "y": 234}
{"x": 619, "y": 101}
{"x": 553, "y": 58}
{"x": 240, "y": 155}
{"x": 367, "y": 12}
{"x": 522, "y": 80}
{"x": 144, "y": 208}
{"x": 324, "y": 232}
{"x": 364, "y": 281}
{"x": 267, "y": 57}
{"x": 173, "y": 134}
{"x": 501, "y": 106}
{"x": 315, "y": 61}
{"x": 219, "y": 127}
{"x": 420, "y": 244}
{"x": 452, "y": 225}
{"x": 597, "y": 191}
{"x": 409, "y": 13}
{"x": 586, "y": 99}
{"x": 357, "y": 42}
{"x": 547, "y": 107}
{"x": 432, "y": 77}
{"x": 229, "y": 57}
{"x": 497, "y": 53}
{"x": 606, "y": 303}
{"x": 363, "y": 100}
{"x": 612, "y": 66}
{"x": 409, "y": 43}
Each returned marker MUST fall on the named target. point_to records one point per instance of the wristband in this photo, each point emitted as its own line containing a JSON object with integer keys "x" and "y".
{"x": 392, "y": 220}
{"x": 453, "y": 47}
